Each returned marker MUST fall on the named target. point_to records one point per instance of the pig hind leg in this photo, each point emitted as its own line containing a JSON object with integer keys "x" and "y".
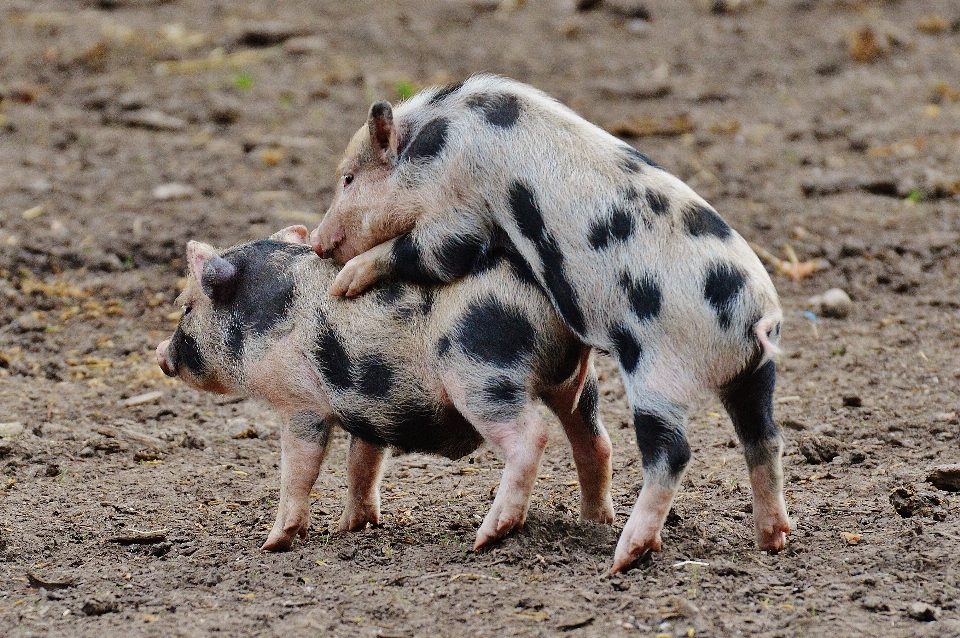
{"x": 590, "y": 445}
{"x": 660, "y": 425}
{"x": 365, "y": 463}
{"x": 748, "y": 400}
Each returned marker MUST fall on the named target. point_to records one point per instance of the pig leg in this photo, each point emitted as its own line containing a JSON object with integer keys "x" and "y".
{"x": 364, "y": 470}
{"x": 590, "y": 445}
{"x": 436, "y": 255}
{"x": 303, "y": 444}
{"x": 748, "y": 400}
{"x": 665, "y": 452}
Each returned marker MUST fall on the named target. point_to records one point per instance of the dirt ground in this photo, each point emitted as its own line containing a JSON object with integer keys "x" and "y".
{"x": 824, "y": 129}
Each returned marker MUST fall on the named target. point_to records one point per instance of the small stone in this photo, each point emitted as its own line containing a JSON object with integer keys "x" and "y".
{"x": 835, "y": 303}
{"x": 11, "y": 430}
{"x": 874, "y": 603}
{"x": 305, "y": 45}
{"x": 945, "y": 477}
{"x": 174, "y": 190}
{"x": 223, "y": 109}
{"x": 241, "y": 429}
{"x": 141, "y": 399}
{"x": 348, "y": 553}
{"x": 6, "y": 447}
{"x": 100, "y": 604}
{"x": 153, "y": 120}
{"x": 852, "y": 401}
{"x": 922, "y": 612}
{"x": 619, "y": 584}
{"x": 820, "y": 449}
{"x": 268, "y": 34}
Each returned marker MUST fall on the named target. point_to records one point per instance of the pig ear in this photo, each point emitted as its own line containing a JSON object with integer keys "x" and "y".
{"x": 292, "y": 234}
{"x": 211, "y": 271}
{"x": 383, "y": 134}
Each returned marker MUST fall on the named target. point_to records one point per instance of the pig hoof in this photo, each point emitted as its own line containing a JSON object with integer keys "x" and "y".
{"x": 492, "y": 531}
{"x": 600, "y": 513}
{"x": 630, "y": 551}
{"x": 773, "y": 540}
{"x": 356, "y": 276}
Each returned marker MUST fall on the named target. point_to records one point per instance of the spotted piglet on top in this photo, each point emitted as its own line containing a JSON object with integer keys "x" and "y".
{"x": 636, "y": 263}
{"x": 413, "y": 368}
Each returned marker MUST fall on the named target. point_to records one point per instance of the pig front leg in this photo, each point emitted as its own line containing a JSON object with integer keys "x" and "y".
{"x": 748, "y": 400}
{"x": 303, "y": 443}
{"x": 434, "y": 255}
{"x": 365, "y": 465}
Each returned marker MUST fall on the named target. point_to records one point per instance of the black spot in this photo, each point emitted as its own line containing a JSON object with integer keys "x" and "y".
{"x": 407, "y": 263}
{"x": 390, "y": 293}
{"x": 634, "y": 160}
{"x": 429, "y": 142}
{"x": 626, "y": 347}
{"x": 360, "y": 426}
{"x": 503, "y": 399}
{"x": 589, "y": 401}
{"x": 375, "y": 377}
{"x": 661, "y": 441}
{"x": 529, "y": 219}
{"x": 443, "y": 346}
{"x": 458, "y": 255}
{"x": 520, "y": 266}
{"x": 445, "y": 92}
{"x": 494, "y": 333}
{"x": 185, "y": 351}
{"x": 644, "y": 295}
{"x": 616, "y": 228}
{"x": 407, "y": 312}
{"x": 332, "y": 359}
{"x": 235, "y": 336}
{"x": 567, "y": 364}
{"x": 703, "y": 220}
{"x": 527, "y": 213}
{"x": 657, "y": 202}
{"x": 502, "y": 110}
{"x": 748, "y": 399}
{"x": 310, "y": 426}
{"x": 426, "y": 305}
{"x": 723, "y": 283}
{"x": 433, "y": 430}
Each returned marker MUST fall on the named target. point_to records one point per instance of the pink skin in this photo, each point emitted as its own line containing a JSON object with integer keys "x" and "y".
{"x": 365, "y": 465}
{"x": 163, "y": 361}
{"x": 769, "y": 510}
{"x": 591, "y": 454}
{"x": 300, "y": 461}
{"x": 641, "y": 534}
{"x": 362, "y": 271}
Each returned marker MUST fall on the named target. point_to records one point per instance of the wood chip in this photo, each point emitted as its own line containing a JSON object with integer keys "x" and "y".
{"x": 140, "y": 538}
{"x": 37, "y": 582}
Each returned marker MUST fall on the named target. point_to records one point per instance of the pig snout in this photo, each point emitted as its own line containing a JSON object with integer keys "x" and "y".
{"x": 164, "y": 360}
{"x": 324, "y": 241}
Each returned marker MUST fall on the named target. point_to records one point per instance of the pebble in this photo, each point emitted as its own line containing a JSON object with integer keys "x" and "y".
{"x": 153, "y": 120}
{"x": 270, "y": 33}
{"x": 174, "y": 190}
{"x": 922, "y": 612}
{"x": 834, "y": 303}
{"x": 11, "y": 430}
{"x": 945, "y": 477}
{"x": 140, "y": 399}
{"x": 241, "y": 429}
{"x": 820, "y": 449}
{"x": 874, "y": 603}
{"x": 305, "y": 45}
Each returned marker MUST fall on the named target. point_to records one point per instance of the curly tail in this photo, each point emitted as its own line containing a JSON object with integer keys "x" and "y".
{"x": 768, "y": 333}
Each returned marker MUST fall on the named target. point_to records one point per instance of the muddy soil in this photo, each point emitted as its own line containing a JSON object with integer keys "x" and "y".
{"x": 825, "y": 130}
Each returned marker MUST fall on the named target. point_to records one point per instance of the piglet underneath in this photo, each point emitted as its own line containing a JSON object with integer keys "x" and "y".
{"x": 413, "y": 368}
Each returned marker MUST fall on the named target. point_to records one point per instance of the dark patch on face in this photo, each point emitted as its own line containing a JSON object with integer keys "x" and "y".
{"x": 443, "y": 346}
{"x": 332, "y": 359}
{"x": 626, "y": 347}
{"x": 703, "y": 220}
{"x": 429, "y": 142}
{"x": 501, "y": 110}
{"x": 375, "y": 377}
{"x": 661, "y": 441}
{"x": 310, "y": 426}
{"x": 616, "y": 228}
{"x": 529, "y": 219}
{"x": 185, "y": 351}
{"x": 444, "y": 92}
{"x": 389, "y": 293}
{"x": 644, "y": 295}
{"x": 426, "y": 305}
{"x": 748, "y": 399}
{"x": 657, "y": 202}
{"x": 589, "y": 401}
{"x": 723, "y": 283}
{"x": 503, "y": 400}
{"x": 634, "y": 160}
{"x": 494, "y": 333}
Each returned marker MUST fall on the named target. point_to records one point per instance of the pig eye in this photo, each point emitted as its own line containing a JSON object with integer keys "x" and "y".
{"x": 348, "y": 179}
{"x": 186, "y": 311}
